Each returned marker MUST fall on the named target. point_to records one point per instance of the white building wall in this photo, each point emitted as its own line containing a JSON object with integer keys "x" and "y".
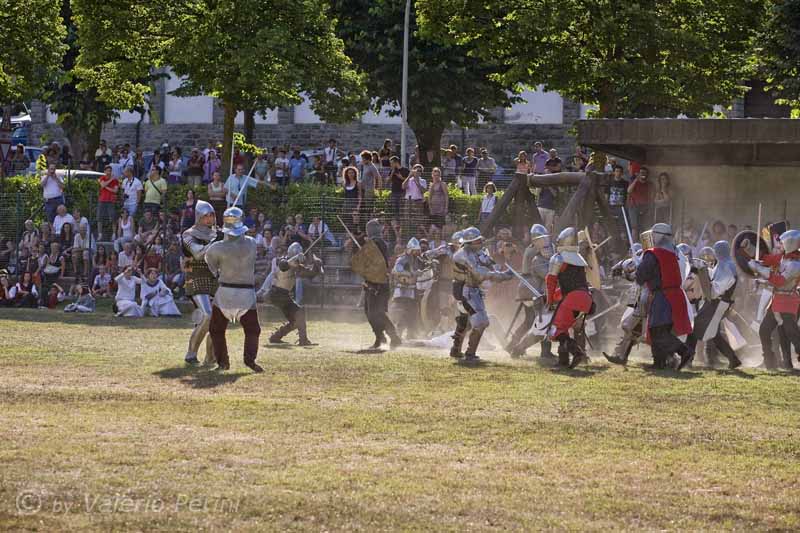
{"x": 540, "y": 107}
{"x": 271, "y": 117}
{"x": 303, "y": 114}
{"x": 186, "y": 109}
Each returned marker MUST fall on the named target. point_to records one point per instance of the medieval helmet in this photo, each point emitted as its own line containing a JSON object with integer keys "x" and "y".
{"x": 538, "y": 231}
{"x": 567, "y": 237}
{"x": 686, "y": 250}
{"x": 707, "y": 254}
{"x": 722, "y": 250}
{"x": 232, "y": 219}
{"x": 470, "y": 235}
{"x": 662, "y": 235}
{"x": 790, "y": 240}
{"x": 294, "y": 249}
{"x": 202, "y": 209}
{"x": 413, "y": 245}
{"x": 456, "y": 238}
{"x": 374, "y": 229}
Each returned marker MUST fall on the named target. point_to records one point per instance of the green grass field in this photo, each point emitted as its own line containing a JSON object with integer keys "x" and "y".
{"x": 104, "y": 429}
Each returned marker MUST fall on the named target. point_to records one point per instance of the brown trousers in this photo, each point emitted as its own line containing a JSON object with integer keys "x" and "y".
{"x": 218, "y": 327}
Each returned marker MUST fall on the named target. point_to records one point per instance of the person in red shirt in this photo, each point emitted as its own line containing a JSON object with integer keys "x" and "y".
{"x": 639, "y": 199}
{"x": 107, "y": 197}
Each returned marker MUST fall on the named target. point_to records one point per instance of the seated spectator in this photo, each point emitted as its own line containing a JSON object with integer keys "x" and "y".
{"x": 55, "y": 295}
{"x": 30, "y": 236}
{"x": 173, "y": 275}
{"x": 151, "y": 259}
{"x": 125, "y": 299}
{"x": 8, "y": 254}
{"x": 6, "y": 300}
{"x": 84, "y": 304}
{"x": 251, "y": 218}
{"x": 317, "y": 228}
{"x": 148, "y": 228}
{"x": 100, "y": 258}
{"x": 67, "y": 239}
{"x": 54, "y": 267}
{"x": 488, "y": 202}
{"x": 156, "y": 297}
{"x": 46, "y": 234}
{"x": 62, "y": 217}
{"x": 78, "y": 219}
{"x": 125, "y": 258}
{"x": 126, "y": 230}
{"x": 24, "y": 293}
{"x": 302, "y": 230}
{"x": 82, "y": 253}
{"x": 112, "y": 265}
{"x": 101, "y": 287}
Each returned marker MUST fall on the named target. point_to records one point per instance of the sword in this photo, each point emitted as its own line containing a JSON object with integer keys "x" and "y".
{"x": 348, "y": 231}
{"x": 605, "y": 312}
{"x": 536, "y": 294}
{"x": 602, "y": 243}
{"x": 306, "y": 250}
{"x": 243, "y": 186}
{"x": 628, "y": 228}
{"x": 758, "y": 233}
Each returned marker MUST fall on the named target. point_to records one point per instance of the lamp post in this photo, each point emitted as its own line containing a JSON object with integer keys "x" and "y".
{"x": 404, "y": 97}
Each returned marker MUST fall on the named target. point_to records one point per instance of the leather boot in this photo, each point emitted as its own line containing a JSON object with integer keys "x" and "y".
{"x": 471, "y": 354}
{"x": 458, "y": 337}
{"x": 547, "y": 350}
{"x": 280, "y": 333}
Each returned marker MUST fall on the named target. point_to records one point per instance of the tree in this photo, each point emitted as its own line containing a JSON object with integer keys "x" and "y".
{"x": 30, "y": 54}
{"x": 250, "y": 54}
{"x": 780, "y": 38}
{"x": 633, "y": 59}
{"x": 445, "y": 85}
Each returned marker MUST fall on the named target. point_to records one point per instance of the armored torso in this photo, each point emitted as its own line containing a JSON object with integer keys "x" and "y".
{"x": 233, "y": 262}
{"x": 194, "y": 242}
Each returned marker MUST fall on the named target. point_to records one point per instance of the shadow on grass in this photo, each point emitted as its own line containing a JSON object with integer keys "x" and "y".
{"x": 199, "y": 378}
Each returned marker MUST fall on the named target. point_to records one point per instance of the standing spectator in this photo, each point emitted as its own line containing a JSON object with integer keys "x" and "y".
{"x": 131, "y": 192}
{"x": 438, "y": 199}
{"x": 540, "y": 158}
{"x": 553, "y": 164}
{"x": 107, "y": 197}
{"x": 126, "y": 158}
{"x": 318, "y": 174}
{"x": 617, "y": 197}
{"x": 397, "y": 177}
{"x": 194, "y": 169}
{"x": 211, "y": 146}
{"x": 66, "y": 157}
{"x": 210, "y": 166}
{"x": 261, "y": 168}
{"x": 281, "y": 169}
{"x": 579, "y": 160}
{"x": 61, "y": 218}
{"x": 20, "y": 162}
{"x": 216, "y": 196}
{"x": 330, "y": 153}
{"x": 415, "y": 187}
{"x": 238, "y": 158}
{"x": 523, "y": 166}
{"x": 370, "y": 181}
{"x": 469, "y": 172}
{"x": 234, "y": 183}
{"x": 488, "y": 202}
{"x": 155, "y": 188}
{"x": 53, "y": 154}
{"x": 352, "y": 194}
{"x": 52, "y": 191}
{"x": 187, "y": 213}
{"x": 297, "y": 166}
{"x": 451, "y": 164}
{"x": 385, "y": 156}
{"x": 125, "y": 230}
{"x": 639, "y": 200}
{"x": 662, "y": 202}
{"x": 546, "y": 204}
{"x": 139, "y": 168}
{"x": 102, "y": 157}
{"x": 175, "y": 167}
{"x": 486, "y": 168}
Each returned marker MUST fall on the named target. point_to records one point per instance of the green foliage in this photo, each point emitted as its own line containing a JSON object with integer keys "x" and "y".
{"x": 780, "y": 39}
{"x": 445, "y": 84}
{"x": 31, "y": 50}
{"x": 634, "y": 59}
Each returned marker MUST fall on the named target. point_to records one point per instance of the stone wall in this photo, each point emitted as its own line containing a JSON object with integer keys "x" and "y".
{"x": 732, "y": 193}
{"x": 503, "y": 141}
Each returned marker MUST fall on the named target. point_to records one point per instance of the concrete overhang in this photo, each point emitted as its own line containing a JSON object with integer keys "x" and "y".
{"x": 737, "y": 142}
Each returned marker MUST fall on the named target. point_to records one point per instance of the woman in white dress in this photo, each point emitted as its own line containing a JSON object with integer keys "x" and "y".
{"x": 126, "y": 294}
{"x": 156, "y": 296}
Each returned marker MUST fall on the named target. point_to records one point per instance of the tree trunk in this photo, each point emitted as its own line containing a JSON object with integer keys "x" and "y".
{"x": 249, "y": 125}
{"x": 227, "y": 142}
{"x": 429, "y": 140}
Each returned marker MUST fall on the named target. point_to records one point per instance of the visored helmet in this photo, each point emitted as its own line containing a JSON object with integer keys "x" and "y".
{"x": 790, "y": 240}
{"x": 233, "y": 224}
{"x": 470, "y": 235}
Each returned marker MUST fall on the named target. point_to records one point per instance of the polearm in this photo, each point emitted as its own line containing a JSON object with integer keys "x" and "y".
{"x": 306, "y": 250}
{"x": 243, "y": 186}
{"x": 602, "y": 243}
{"x": 348, "y": 231}
{"x": 605, "y": 312}
{"x": 525, "y": 283}
{"x": 627, "y": 228}
{"x": 758, "y": 233}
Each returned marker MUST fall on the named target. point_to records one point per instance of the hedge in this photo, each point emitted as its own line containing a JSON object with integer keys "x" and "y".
{"x": 306, "y": 198}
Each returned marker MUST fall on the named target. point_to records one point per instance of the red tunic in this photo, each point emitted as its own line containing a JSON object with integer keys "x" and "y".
{"x": 781, "y": 302}
{"x": 575, "y": 302}
{"x": 671, "y": 282}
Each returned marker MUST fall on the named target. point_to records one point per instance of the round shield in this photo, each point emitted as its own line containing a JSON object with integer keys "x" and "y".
{"x": 744, "y": 250}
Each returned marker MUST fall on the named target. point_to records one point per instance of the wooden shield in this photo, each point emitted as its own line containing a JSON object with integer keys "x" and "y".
{"x": 593, "y": 270}
{"x": 704, "y": 279}
{"x": 368, "y": 262}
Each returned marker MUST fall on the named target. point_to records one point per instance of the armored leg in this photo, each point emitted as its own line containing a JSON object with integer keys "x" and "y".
{"x": 768, "y": 325}
{"x": 462, "y": 325}
{"x": 721, "y": 343}
{"x": 202, "y": 320}
{"x": 792, "y": 331}
{"x": 520, "y": 333}
{"x": 472, "y": 347}
{"x": 563, "y": 349}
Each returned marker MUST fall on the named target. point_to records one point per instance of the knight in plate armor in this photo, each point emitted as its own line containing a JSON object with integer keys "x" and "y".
{"x": 376, "y": 293}
{"x": 568, "y": 293}
{"x": 667, "y": 312}
{"x": 200, "y": 284}
{"x": 708, "y": 323}
{"x": 633, "y": 318}
{"x": 232, "y": 261}
{"x": 782, "y": 271}
{"x": 405, "y": 301}
{"x": 535, "y": 266}
{"x": 290, "y": 267}
{"x": 471, "y": 267}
